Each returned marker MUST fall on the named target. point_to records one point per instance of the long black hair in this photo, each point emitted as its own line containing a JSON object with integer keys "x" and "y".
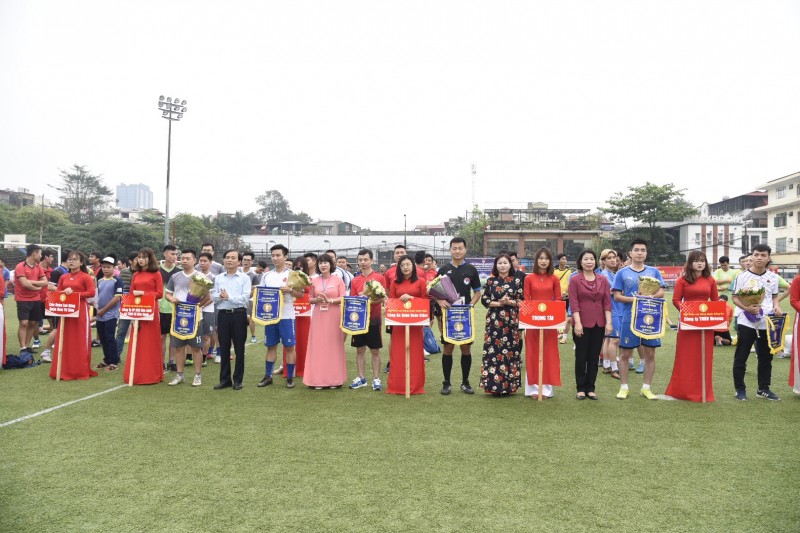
{"x": 413, "y": 277}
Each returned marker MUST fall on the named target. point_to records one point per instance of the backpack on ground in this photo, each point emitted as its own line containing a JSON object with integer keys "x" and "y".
{"x": 23, "y": 360}
{"x": 429, "y": 339}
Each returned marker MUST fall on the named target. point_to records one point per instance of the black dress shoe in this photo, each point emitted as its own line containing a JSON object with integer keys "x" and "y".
{"x": 237, "y": 386}
{"x": 445, "y": 388}
{"x": 266, "y": 380}
{"x": 222, "y": 385}
{"x": 466, "y": 389}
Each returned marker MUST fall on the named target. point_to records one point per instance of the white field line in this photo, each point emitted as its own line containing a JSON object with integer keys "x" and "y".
{"x": 50, "y": 409}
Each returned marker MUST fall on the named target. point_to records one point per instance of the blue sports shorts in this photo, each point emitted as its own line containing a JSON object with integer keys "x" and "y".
{"x": 282, "y": 332}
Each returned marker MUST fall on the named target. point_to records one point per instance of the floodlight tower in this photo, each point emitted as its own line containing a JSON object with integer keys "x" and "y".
{"x": 171, "y": 109}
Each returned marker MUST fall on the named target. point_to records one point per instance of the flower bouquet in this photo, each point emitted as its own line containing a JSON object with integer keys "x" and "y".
{"x": 374, "y": 290}
{"x": 199, "y": 287}
{"x": 298, "y": 280}
{"x": 749, "y": 296}
{"x": 648, "y": 286}
{"x": 442, "y": 288}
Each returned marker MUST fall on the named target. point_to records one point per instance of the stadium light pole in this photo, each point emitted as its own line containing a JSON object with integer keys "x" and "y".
{"x": 171, "y": 109}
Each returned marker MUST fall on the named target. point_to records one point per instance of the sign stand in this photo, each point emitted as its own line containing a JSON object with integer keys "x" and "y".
{"x": 405, "y": 314}
{"x": 63, "y": 305}
{"x": 703, "y": 316}
{"x": 542, "y": 315}
{"x": 408, "y": 361}
{"x": 134, "y": 338}
{"x": 541, "y": 364}
{"x": 703, "y": 361}
{"x": 60, "y": 348}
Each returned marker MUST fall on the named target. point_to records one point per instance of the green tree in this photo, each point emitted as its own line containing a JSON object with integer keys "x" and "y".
{"x": 6, "y": 219}
{"x": 239, "y": 223}
{"x": 75, "y": 237}
{"x": 649, "y": 204}
{"x": 30, "y": 220}
{"x": 273, "y": 206}
{"x": 472, "y": 230}
{"x": 151, "y": 217}
{"x": 188, "y": 231}
{"x": 119, "y": 238}
{"x": 84, "y": 197}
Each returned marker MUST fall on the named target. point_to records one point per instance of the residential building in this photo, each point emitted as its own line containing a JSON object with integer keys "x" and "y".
{"x": 782, "y": 212}
{"x": 730, "y": 227}
{"x": 525, "y": 230}
{"x": 19, "y": 198}
{"x": 526, "y": 242}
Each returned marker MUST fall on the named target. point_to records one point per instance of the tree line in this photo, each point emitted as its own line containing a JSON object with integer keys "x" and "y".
{"x": 82, "y": 218}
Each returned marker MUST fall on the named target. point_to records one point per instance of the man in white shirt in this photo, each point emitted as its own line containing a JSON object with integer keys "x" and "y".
{"x": 751, "y": 323}
{"x": 283, "y": 332}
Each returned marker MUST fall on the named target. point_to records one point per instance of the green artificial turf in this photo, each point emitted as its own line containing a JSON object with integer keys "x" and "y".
{"x": 159, "y": 458}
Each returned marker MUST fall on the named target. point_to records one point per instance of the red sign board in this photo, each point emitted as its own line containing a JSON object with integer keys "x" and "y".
{"x": 137, "y": 307}
{"x": 302, "y": 307}
{"x": 59, "y": 303}
{"x": 542, "y": 314}
{"x": 414, "y": 312}
{"x": 704, "y": 315}
{"x": 670, "y": 273}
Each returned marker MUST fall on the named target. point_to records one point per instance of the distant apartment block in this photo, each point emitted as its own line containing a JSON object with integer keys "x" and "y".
{"x": 134, "y": 196}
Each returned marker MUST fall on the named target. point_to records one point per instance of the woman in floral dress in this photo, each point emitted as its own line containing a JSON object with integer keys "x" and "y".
{"x": 500, "y": 374}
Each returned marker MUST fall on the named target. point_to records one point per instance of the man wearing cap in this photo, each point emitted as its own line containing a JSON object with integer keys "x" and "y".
{"x": 109, "y": 294}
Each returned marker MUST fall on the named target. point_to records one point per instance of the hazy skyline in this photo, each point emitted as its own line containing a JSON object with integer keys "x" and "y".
{"x": 365, "y": 111}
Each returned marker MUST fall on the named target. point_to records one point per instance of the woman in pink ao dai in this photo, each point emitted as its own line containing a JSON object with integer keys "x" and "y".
{"x": 325, "y": 359}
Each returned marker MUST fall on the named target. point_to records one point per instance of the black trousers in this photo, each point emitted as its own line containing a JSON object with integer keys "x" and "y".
{"x": 587, "y": 355}
{"x": 231, "y": 327}
{"x": 747, "y": 336}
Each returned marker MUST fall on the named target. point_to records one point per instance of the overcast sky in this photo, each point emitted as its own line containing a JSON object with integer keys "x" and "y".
{"x": 365, "y": 111}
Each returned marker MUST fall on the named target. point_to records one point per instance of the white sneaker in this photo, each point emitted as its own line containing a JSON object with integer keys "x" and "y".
{"x": 217, "y": 359}
{"x": 177, "y": 380}
{"x": 376, "y": 384}
{"x": 253, "y": 339}
{"x": 278, "y": 370}
{"x": 197, "y": 381}
{"x": 47, "y": 356}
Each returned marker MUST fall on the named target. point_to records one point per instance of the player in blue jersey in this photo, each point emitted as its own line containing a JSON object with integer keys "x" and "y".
{"x": 626, "y": 284}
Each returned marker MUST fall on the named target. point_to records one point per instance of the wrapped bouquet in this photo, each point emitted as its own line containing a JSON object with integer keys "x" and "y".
{"x": 374, "y": 290}
{"x": 750, "y": 296}
{"x": 199, "y": 287}
{"x": 298, "y": 280}
{"x": 648, "y": 286}
{"x": 442, "y": 288}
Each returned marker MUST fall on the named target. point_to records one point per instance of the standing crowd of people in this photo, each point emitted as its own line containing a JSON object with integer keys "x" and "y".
{"x": 599, "y": 295}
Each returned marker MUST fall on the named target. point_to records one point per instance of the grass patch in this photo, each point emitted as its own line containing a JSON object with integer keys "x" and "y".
{"x": 158, "y": 458}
